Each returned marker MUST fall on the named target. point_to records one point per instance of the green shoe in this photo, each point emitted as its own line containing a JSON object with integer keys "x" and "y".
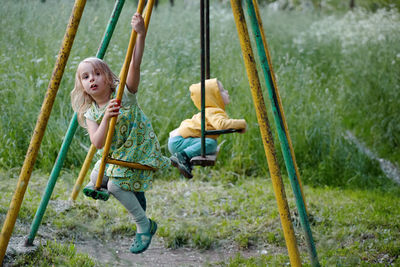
{"x": 142, "y": 240}
{"x": 102, "y": 194}
{"x": 183, "y": 164}
{"x": 90, "y": 191}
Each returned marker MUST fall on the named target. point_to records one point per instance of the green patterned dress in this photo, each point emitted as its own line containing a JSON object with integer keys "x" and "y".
{"x": 134, "y": 140}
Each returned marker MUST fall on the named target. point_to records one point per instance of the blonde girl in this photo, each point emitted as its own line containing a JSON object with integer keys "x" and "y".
{"x": 93, "y": 98}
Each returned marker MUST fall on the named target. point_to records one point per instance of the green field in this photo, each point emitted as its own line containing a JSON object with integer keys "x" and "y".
{"x": 339, "y": 81}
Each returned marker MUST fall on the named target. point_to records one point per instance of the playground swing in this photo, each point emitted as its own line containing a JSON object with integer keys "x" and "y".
{"x": 204, "y": 159}
{"x": 255, "y": 87}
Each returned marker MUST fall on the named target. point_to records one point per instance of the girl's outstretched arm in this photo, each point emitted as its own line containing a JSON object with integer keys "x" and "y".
{"x": 133, "y": 78}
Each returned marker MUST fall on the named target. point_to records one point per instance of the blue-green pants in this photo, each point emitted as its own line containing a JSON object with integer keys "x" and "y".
{"x": 191, "y": 145}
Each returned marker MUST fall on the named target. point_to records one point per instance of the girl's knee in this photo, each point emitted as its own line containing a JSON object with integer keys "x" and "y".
{"x": 171, "y": 146}
{"x": 176, "y": 144}
{"x": 113, "y": 188}
{"x": 93, "y": 176}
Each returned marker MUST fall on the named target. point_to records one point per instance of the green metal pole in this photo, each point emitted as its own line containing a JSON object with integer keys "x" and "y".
{"x": 110, "y": 28}
{"x": 70, "y": 133}
{"x": 52, "y": 181}
{"x": 282, "y": 135}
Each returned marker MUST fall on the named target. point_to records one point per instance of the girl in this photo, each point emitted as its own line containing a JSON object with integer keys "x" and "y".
{"x": 134, "y": 139}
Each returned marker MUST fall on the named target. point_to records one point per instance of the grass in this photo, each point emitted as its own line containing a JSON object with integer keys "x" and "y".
{"x": 350, "y": 227}
{"x": 54, "y": 254}
{"x": 336, "y": 72}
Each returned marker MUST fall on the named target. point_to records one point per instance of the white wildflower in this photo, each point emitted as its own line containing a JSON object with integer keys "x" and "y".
{"x": 37, "y": 60}
{"x": 353, "y": 29}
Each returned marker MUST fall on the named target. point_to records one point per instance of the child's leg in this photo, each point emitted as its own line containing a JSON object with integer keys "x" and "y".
{"x": 176, "y": 144}
{"x": 90, "y": 190}
{"x": 139, "y": 195}
{"x": 93, "y": 178}
{"x": 129, "y": 200}
{"x": 183, "y": 149}
{"x": 142, "y": 199}
{"x": 193, "y": 147}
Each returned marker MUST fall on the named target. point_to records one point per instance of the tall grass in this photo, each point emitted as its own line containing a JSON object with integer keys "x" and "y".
{"x": 352, "y": 64}
{"x": 329, "y": 78}
{"x": 330, "y": 6}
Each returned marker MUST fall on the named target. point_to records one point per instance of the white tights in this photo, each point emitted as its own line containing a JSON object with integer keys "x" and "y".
{"x": 127, "y": 199}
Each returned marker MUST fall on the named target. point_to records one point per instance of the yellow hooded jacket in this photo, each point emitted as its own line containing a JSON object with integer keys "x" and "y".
{"x": 216, "y": 117}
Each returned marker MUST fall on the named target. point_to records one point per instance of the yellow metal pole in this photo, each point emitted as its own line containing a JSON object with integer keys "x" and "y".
{"x": 147, "y": 14}
{"x": 113, "y": 121}
{"x": 262, "y": 118}
{"x": 83, "y": 172}
{"x": 278, "y": 98}
{"x": 40, "y": 127}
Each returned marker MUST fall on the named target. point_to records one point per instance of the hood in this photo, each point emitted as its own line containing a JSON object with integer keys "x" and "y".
{"x": 213, "y": 95}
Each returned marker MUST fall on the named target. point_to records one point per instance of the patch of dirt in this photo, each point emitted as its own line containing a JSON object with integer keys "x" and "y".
{"x": 16, "y": 246}
{"x": 116, "y": 253}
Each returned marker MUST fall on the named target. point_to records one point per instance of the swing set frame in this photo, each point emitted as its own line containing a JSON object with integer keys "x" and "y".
{"x": 251, "y": 69}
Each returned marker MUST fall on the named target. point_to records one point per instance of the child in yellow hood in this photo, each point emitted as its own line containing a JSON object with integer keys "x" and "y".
{"x": 184, "y": 142}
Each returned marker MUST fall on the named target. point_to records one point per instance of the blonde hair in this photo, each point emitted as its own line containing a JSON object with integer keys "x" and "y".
{"x": 80, "y": 100}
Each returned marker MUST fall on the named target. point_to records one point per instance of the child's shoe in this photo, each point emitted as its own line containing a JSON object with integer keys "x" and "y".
{"x": 182, "y": 162}
{"x": 142, "y": 240}
{"x": 90, "y": 191}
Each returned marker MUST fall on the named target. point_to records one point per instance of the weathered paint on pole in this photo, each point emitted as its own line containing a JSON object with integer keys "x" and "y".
{"x": 70, "y": 134}
{"x": 278, "y": 98}
{"x": 51, "y": 183}
{"x": 40, "y": 127}
{"x": 266, "y": 134}
{"x": 121, "y": 86}
{"x": 282, "y": 135}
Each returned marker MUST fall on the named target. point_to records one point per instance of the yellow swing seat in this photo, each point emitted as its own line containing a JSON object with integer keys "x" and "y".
{"x": 132, "y": 165}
